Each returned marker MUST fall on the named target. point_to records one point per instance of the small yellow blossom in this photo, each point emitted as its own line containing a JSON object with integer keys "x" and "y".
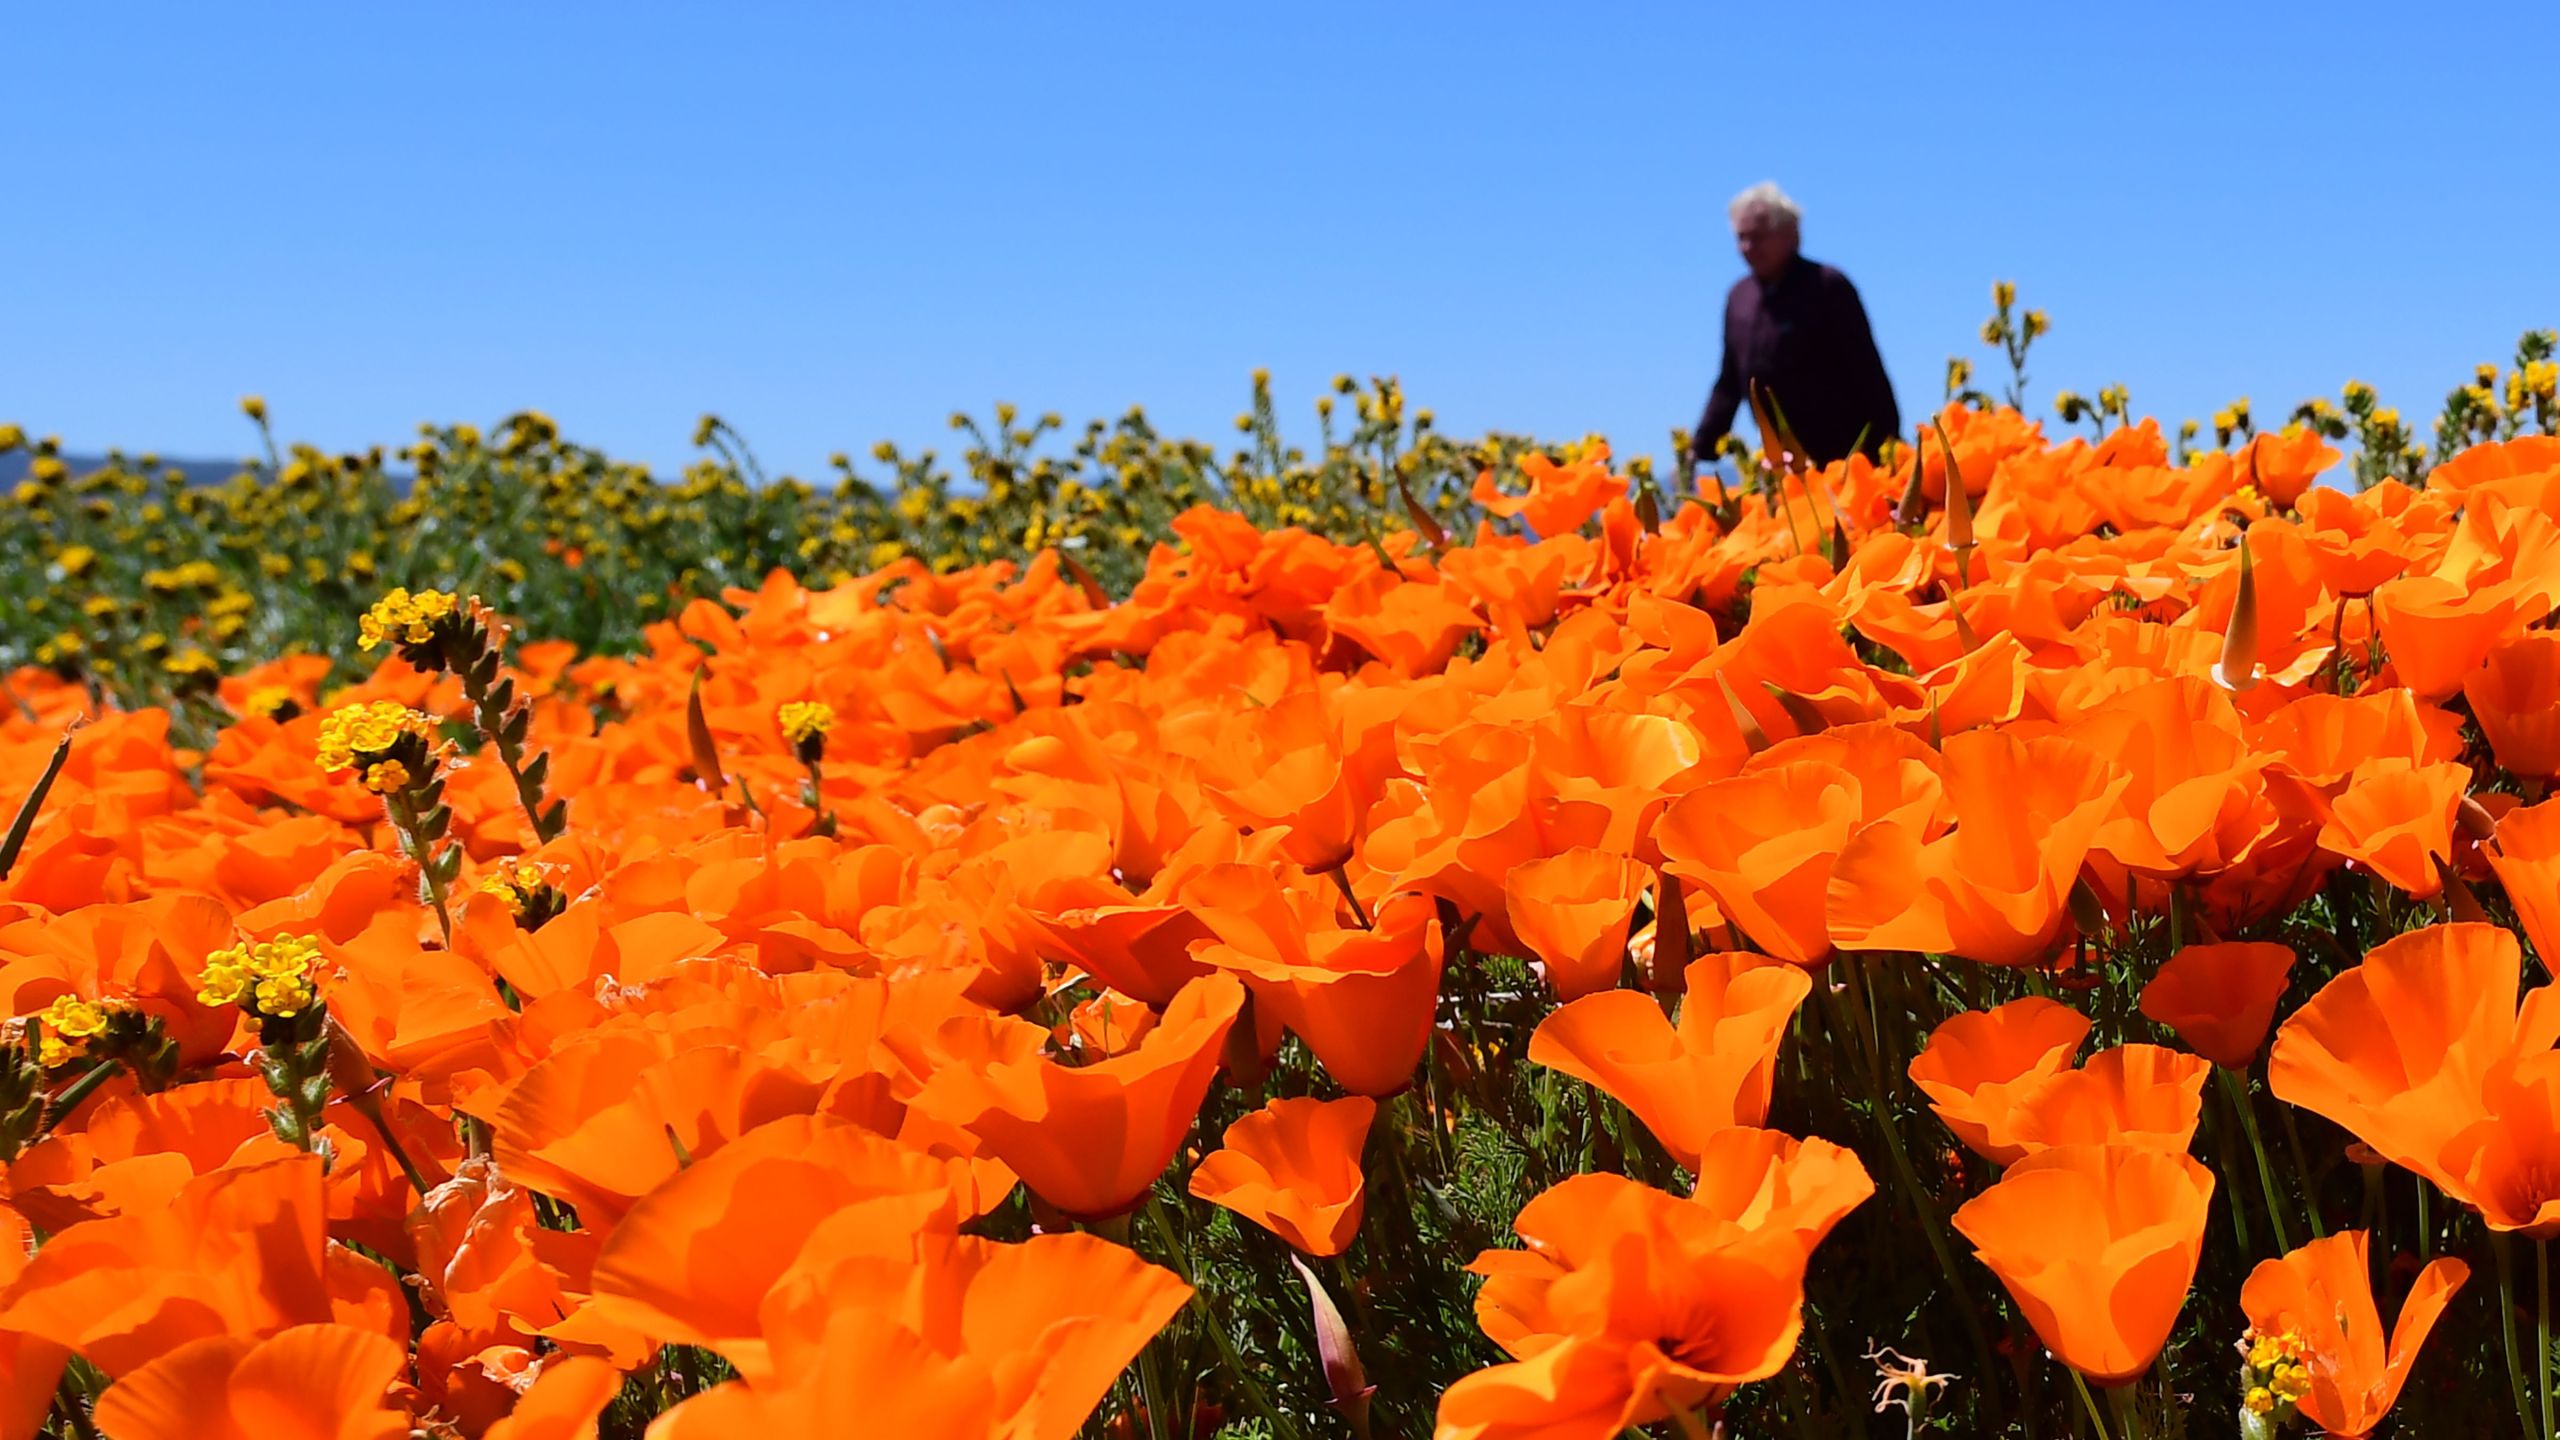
{"x": 805, "y": 720}
{"x": 273, "y": 977}
{"x": 69, "y": 1024}
{"x": 401, "y": 616}
{"x": 371, "y": 729}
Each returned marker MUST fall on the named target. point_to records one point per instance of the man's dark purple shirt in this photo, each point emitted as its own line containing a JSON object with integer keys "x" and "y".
{"x": 1804, "y": 338}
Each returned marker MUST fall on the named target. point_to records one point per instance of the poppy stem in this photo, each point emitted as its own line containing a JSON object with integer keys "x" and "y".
{"x": 2128, "y": 1421}
{"x": 1691, "y": 1425}
{"x": 2240, "y": 1105}
{"x": 1931, "y": 1225}
{"x": 2426, "y": 1222}
{"x": 2089, "y": 1403}
{"x": 1227, "y": 1356}
{"x": 1342, "y": 881}
{"x": 2302, "y": 1167}
{"x": 2542, "y": 1327}
{"x": 2502, "y": 1248}
{"x": 67, "y": 1399}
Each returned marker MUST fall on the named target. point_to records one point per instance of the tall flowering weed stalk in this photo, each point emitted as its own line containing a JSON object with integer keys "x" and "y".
{"x": 2027, "y": 936}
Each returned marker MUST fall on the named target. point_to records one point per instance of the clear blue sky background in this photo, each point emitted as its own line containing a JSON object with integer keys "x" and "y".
{"x": 835, "y": 224}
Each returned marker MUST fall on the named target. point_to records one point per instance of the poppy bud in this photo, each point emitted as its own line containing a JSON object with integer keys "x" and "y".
{"x": 1342, "y": 1372}
{"x": 1752, "y": 735}
{"x": 697, "y": 729}
{"x": 2238, "y": 668}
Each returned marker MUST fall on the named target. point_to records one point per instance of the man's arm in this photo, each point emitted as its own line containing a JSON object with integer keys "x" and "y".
{"x": 1722, "y": 402}
{"x": 1873, "y": 387}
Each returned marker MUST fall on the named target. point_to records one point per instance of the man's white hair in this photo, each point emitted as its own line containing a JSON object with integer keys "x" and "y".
{"x": 1767, "y": 199}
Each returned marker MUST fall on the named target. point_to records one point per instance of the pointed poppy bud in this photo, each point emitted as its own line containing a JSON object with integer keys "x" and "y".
{"x": 697, "y": 729}
{"x": 1959, "y": 504}
{"x": 1914, "y": 506}
{"x": 2238, "y": 668}
{"x": 1094, "y": 594}
{"x": 1433, "y": 534}
{"x": 1752, "y": 735}
{"x": 1342, "y": 1372}
{"x": 1800, "y": 711}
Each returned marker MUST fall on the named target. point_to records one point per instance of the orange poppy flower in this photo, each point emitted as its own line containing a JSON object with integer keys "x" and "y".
{"x": 1763, "y": 843}
{"x": 1361, "y": 997}
{"x": 2097, "y": 1244}
{"x": 2321, "y": 1296}
{"x": 1979, "y": 1068}
{"x": 1108, "y": 1024}
{"x": 2141, "y": 1095}
{"x": 1560, "y": 497}
{"x": 1572, "y": 910}
{"x": 2516, "y": 696}
{"x": 2220, "y": 998}
{"x": 1293, "y": 1167}
{"x": 1629, "y": 1304}
{"x": 1313, "y": 765}
{"x": 2398, "y": 1050}
{"x": 2285, "y": 462}
{"x": 943, "y": 1335}
{"x": 1092, "y": 1138}
{"x": 694, "y": 1260}
{"x": 614, "y": 1111}
{"x": 308, "y": 1382}
{"x": 563, "y": 1403}
{"x": 2525, "y": 853}
{"x": 239, "y": 1252}
{"x": 2506, "y": 1163}
{"x": 29, "y": 1364}
{"x": 1713, "y": 1071}
{"x": 2399, "y": 824}
{"x": 1997, "y": 887}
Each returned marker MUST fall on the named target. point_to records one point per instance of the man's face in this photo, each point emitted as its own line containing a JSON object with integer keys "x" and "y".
{"x": 1766, "y": 242}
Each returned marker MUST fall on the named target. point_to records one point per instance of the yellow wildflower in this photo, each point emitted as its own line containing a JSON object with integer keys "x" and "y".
{"x": 272, "y": 977}
{"x": 401, "y": 616}
{"x": 806, "y": 720}
{"x": 69, "y": 1024}
{"x": 369, "y": 729}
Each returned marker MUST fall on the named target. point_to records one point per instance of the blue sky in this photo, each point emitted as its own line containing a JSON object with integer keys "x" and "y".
{"x": 833, "y": 224}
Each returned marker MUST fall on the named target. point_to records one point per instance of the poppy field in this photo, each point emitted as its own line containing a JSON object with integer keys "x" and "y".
{"x": 2041, "y": 933}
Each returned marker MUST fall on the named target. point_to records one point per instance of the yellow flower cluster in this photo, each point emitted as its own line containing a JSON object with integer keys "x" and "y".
{"x": 348, "y": 736}
{"x": 69, "y": 1024}
{"x": 515, "y": 882}
{"x": 804, "y": 719}
{"x": 273, "y": 977}
{"x": 266, "y": 700}
{"x": 2278, "y": 1376}
{"x": 383, "y": 777}
{"x": 401, "y": 616}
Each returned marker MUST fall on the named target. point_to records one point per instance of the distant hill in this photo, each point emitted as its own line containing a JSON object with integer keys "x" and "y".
{"x": 13, "y": 467}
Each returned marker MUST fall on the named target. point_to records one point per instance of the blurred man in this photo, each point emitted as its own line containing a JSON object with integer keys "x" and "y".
{"x": 1796, "y": 328}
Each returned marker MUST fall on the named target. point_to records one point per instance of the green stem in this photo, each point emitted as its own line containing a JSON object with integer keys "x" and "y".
{"x": 2426, "y": 1222}
{"x": 68, "y": 1399}
{"x": 1921, "y": 1203}
{"x": 2089, "y": 1403}
{"x": 489, "y": 712}
{"x": 2231, "y": 1197}
{"x": 2302, "y": 1167}
{"x": 2542, "y": 1327}
{"x": 2503, "y": 1249}
{"x": 77, "y": 1091}
{"x": 1227, "y": 1356}
{"x": 404, "y": 822}
{"x": 2128, "y": 1421}
{"x": 2240, "y": 1105}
